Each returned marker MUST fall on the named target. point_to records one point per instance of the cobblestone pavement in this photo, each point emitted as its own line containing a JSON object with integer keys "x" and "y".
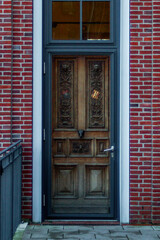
{"x": 89, "y": 232}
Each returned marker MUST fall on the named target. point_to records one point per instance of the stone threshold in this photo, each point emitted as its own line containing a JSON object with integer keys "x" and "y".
{"x": 81, "y": 222}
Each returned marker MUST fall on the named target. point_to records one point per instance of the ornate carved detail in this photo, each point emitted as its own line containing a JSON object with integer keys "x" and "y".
{"x": 81, "y": 147}
{"x": 65, "y": 110}
{"x": 96, "y": 79}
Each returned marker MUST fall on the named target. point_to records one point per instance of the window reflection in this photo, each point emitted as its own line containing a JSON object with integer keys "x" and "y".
{"x": 96, "y": 20}
{"x": 66, "y": 20}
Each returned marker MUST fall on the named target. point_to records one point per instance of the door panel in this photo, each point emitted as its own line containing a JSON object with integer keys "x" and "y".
{"x": 80, "y": 133}
{"x": 97, "y": 97}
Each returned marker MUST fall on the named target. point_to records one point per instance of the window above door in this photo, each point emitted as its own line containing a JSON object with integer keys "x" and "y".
{"x": 81, "y": 20}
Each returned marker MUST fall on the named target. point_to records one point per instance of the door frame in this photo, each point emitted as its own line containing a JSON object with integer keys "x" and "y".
{"x": 124, "y": 112}
{"x": 114, "y": 126}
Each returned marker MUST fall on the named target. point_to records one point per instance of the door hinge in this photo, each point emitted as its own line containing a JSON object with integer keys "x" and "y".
{"x": 44, "y": 68}
{"x": 44, "y": 134}
{"x": 44, "y": 200}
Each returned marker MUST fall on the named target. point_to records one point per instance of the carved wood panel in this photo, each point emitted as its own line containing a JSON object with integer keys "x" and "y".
{"x": 96, "y": 181}
{"x": 96, "y": 93}
{"x": 65, "y": 96}
{"x": 80, "y": 147}
{"x": 65, "y": 181}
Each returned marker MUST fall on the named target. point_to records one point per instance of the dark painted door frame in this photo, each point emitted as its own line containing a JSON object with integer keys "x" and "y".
{"x": 81, "y": 48}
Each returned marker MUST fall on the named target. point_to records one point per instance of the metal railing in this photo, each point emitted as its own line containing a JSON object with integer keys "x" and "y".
{"x": 10, "y": 190}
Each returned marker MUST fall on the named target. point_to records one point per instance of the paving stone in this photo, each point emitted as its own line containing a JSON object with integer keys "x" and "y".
{"x": 26, "y": 235}
{"x": 120, "y": 238}
{"x": 63, "y": 238}
{"x": 142, "y": 237}
{"x": 156, "y": 228}
{"x": 87, "y": 237}
{"x": 149, "y": 233}
{"x": 37, "y": 229}
{"x": 30, "y": 227}
{"x": 75, "y": 237}
{"x": 137, "y": 232}
{"x": 44, "y": 235}
{"x": 118, "y": 235}
{"x": 42, "y": 228}
{"x": 80, "y": 232}
{"x": 158, "y": 234}
{"x": 55, "y": 235}
{"x": 131, "y": 227}
{"x": 103, "y": 236}
{"x": 79, "y": 236}
{"x": 91, "y": 232}
{"x": 54, "y": 227}
{"x": 101, "y": 229}
{"x": 78, "y": 227}
{"x": 26, "y": 238}
{"x": 34, "y": 238}
{"x": 71, "y": 233}
{"x": 114, "y": 227}
{"x": 74, "y": 231}
{"x": 39, "y": 238}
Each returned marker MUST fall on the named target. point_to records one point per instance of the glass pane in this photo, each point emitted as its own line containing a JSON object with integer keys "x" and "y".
{"x": 96, "y": 20}
{"x": 66, "y": 20}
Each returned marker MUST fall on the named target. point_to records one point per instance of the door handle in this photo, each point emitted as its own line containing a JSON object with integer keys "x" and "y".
{"x": 111, "y": 149}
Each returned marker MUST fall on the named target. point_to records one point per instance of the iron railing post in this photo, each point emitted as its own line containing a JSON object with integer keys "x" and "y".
{"x": 10, "y": 190}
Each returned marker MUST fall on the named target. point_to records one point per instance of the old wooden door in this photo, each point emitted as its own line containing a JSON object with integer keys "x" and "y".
{"x": 80, "y": 133}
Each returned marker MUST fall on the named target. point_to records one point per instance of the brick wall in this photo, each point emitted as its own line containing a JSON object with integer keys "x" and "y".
{"x": 5, "y": 73}
{"x": 16, "y": 64}
{"x": 16, "y": 86}
{"x": 145, "y": 111}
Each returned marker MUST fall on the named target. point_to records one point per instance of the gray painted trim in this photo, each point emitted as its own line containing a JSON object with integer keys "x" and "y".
{"x": 124, "y": 111}
{"x": 37, "y": 111}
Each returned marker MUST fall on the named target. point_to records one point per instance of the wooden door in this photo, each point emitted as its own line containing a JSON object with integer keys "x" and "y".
{"x": 80, "y": 133}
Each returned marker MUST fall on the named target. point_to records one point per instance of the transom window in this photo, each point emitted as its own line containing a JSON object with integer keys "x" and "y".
{"x": 81, "y": 20}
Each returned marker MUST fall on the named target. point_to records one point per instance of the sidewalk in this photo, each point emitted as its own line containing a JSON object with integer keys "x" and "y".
{"x": 89, "y": 232}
